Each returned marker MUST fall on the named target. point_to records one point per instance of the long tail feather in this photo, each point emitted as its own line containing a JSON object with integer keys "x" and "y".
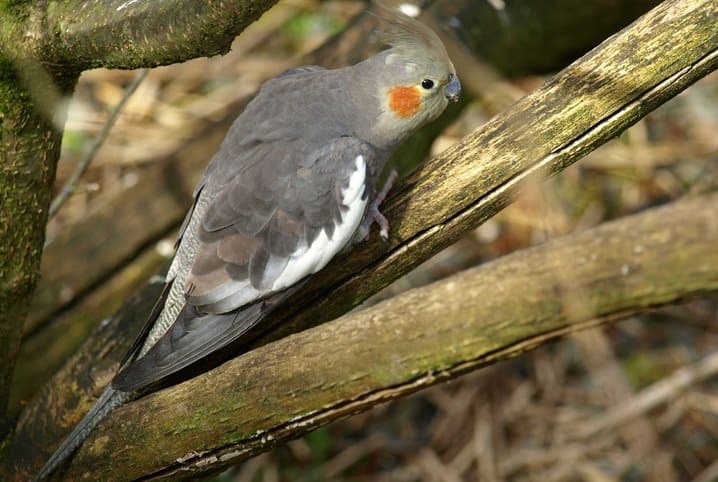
{"x": 108, "y": 401}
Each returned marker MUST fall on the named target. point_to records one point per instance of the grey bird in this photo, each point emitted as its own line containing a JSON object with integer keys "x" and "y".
{"x": 292, "y": 185}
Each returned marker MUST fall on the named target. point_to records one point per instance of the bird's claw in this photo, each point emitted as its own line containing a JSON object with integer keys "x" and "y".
{"x": 383, "y": 224}
{"x": 381, "y": 195}
{"x": 374, "y": 215}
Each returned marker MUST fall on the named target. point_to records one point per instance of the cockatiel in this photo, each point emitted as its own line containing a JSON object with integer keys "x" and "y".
{"x": 291, "y": 186}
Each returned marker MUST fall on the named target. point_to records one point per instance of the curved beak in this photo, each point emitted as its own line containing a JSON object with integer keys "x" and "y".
{"x": 453, "y": 89}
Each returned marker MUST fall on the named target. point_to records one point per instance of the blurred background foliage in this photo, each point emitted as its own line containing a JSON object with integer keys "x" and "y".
{"x": 532, "y": 418}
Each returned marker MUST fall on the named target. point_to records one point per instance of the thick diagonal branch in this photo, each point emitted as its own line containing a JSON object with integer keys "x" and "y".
{"x": 420, "y": 338}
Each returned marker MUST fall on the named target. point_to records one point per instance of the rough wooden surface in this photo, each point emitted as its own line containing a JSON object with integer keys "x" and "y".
{"x": 423, "y": 337}
{"x": 131, "y": 34}
{"x": 588, "y": 103}
{"x": 29, "y": 141}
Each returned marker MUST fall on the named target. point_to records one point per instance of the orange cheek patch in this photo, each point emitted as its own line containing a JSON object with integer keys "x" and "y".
{"x": 404, "y": 101}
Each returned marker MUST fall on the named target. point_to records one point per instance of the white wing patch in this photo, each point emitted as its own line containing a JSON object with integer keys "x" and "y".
{"x": 307, "y": 260}
{"x": 323, "y": 249}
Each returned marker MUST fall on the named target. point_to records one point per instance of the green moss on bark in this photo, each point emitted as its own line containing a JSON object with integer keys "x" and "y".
{"x": 29, "y": 148}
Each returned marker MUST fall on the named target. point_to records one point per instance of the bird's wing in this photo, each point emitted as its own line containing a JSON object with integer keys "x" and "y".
{"x": 277, "y": 223}
{"x": 202, "y": 182}
{"x": 262, "y": 234}
{"x": 192, "y": 337}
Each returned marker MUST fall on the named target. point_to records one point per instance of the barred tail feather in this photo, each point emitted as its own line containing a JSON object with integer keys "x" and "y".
{"x": 108, "y": 401}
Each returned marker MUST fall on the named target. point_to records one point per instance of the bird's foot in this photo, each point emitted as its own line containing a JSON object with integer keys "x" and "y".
{"x": 373, "y": 215}
{"x": 381, "y": 195}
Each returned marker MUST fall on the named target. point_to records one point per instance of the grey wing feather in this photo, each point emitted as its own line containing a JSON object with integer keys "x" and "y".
{"x": 190, "y": 212}
{"x": 193, "y": 336}
{"x": 233, "y": 255}
{"x": 149, "y": 322}
{"x": 260, "y": 219}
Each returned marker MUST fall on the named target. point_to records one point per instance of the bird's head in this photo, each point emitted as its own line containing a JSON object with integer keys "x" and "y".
{"x": 416, "y": 78}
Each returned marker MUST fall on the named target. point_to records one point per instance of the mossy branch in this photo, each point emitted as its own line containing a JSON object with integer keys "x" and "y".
{"x": 417, "y": 339}
{"x": 422, "y": 337}
{"x": 128, "y": 34}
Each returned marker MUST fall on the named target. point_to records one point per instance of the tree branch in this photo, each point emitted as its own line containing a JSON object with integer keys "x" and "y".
{"x": 140, "y": 33}
{"x": 69, "y": 188}
{"x": 425, "y": 336}
{"x": 28, "y": 139}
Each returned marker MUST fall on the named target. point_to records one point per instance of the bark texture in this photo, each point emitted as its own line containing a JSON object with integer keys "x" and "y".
{"x": 129, "y": 34}
{"x": 29, "y": 146}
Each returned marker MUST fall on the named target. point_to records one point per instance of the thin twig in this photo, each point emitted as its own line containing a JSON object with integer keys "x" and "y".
{"x": 81, "y": 168}
{"x": 659, "y": 393}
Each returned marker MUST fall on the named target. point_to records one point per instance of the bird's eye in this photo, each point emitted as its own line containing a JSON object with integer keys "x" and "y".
{"x": 427, "y": 84}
